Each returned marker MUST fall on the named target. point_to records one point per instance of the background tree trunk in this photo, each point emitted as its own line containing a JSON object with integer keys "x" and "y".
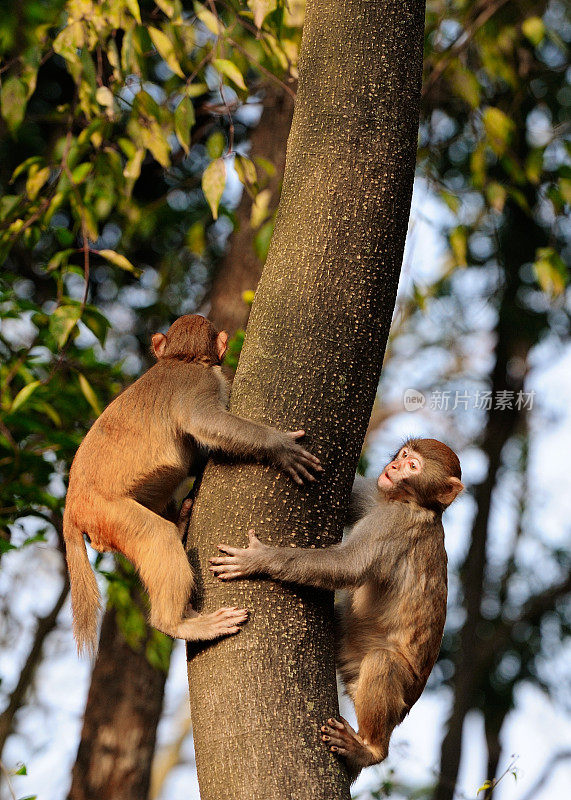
{"x": 518, "y": 240}
{"x": 123, "y": 710}
{"x": 241, "y": 268}
{"x": 312, "y": 359}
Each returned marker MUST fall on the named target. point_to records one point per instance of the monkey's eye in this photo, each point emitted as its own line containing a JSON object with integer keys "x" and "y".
{"x": 412, "y": 465}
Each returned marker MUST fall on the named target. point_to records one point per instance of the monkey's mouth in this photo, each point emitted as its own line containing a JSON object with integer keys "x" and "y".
{"x": 384, "y": 478}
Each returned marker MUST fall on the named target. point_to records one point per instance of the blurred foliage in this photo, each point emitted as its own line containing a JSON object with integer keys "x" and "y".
{"x": 113, "y": 115}
{"x": 123, "y": 131}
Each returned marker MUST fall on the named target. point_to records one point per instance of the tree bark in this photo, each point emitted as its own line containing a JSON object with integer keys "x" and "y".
{"x": 311, "y": 359}
{"x": 119, "y": 729}
{"x": 120, "y": 672}
{"x": 241, "y": 268}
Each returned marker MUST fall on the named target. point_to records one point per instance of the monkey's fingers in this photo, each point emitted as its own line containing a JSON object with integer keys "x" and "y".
{"x": 310, "y": 459}
{"x": 219, "y": 560}
{"x": 341, "y": 738}
{"x": 294, "y": 475}
{"x": 335, "y": 742}
{"x": 302, "y": 472}
{"x": 231, "y": 551}
{"x": 227, "y": 573}
{"x": 295, "y": 434}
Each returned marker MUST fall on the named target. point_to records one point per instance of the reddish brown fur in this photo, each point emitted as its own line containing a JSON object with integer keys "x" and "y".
{"x": 392, "y": 567}
{"x": 134, "y": 457}
{"x": 192, "y": 338}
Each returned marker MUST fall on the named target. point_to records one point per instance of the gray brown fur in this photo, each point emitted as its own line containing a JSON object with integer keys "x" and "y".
{"x": 392, "y": 574}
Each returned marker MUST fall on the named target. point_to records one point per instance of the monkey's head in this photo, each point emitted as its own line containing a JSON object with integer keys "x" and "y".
{"x": 424, "y": 470}
{"x": 191, "y": 338}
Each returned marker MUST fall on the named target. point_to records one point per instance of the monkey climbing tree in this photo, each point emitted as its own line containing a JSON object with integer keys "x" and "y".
{"x": 311, "y": 360}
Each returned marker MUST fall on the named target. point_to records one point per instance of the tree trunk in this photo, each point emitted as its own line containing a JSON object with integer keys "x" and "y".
{"x": 115, "y": 659}
{"x": 119, "y": 729}
{"x": 241, "y": 268}
{"x": 311, "y": 359}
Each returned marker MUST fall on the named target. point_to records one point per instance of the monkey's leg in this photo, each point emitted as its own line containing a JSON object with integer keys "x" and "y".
{"x": 153, "y": 545}
{"x": 383, "y": 682}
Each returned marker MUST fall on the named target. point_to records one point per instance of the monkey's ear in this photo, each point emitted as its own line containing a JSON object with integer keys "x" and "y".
{"x": 453, "y": 489}
{"x": 158, "y": 342}
{"x": 222, "y": 344}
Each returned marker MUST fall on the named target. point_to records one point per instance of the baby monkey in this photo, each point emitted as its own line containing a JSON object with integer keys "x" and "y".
{"x": 393, "y": 568}
{"x": 133, "y": 458}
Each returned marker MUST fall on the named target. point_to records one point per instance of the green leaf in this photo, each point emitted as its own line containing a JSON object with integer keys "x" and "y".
{"x": 133, "y": 7}
{"x": 133, "y": 166}
{"x": 24, "y": 166}
{"x": 50, "y": 411}
{"x": 451, "y": 200}
{"x": 499, "y": 129}
{"x": 230, "y": 70}
{"x": 208, "y": 19}
{"x": 24, "y": 395}
{"x": 63, "y": 321}
{"x": 195, "y": 239}
{"x": 168, "y": 7}
{"x": 215, "y": 144}
{"x": 81, "y": 172}
{"x": 262, "y": 240}
{"x": 104, "y": 97}
{"x": 534, "y": 29}
{"x": 465, "y": 85}
{"x": 21, "y": 770}
{"x": 496, "y": 195}
{"x": 119, "y": 261}
{"x": 260, "y": 208}
{"x": 89, "y": 394}
{"x": 550, "y": 271}
{"x": 459, "y": 245}
{"x": 36, "y": 180}
{"x": 97, "y": 323}
{"x": 13, "y": 99}
{"x": 166, "y": 50}
{"x": 261, "y": 9}
{"x": 58, "y": 259}
{"x": 213, "y": 183}
{"x": 246, "y": 170}
{"x": 484, "y": 786}
{"x": 183, "y": 121}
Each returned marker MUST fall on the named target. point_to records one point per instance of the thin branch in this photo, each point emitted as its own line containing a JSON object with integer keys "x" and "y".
{"x": 539, "y": 784}
{"x": 460, "y": 44}
{"x": 44, "y": 627}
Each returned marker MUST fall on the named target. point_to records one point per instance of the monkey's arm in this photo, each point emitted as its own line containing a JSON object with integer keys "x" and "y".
{"x": 363, "y": 498}
{"x": 341, "y": 566}
{"x": 211, "y": 425}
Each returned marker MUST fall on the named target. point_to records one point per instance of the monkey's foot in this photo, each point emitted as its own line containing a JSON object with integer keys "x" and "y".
{"x": 205, "y": 627}
{"x": 342, "y": 739}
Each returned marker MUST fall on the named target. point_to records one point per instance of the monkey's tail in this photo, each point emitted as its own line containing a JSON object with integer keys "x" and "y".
{"x": 85, "y": 601}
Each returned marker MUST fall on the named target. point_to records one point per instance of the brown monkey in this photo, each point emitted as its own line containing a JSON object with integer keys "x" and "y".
{"x": 393, "y": 566}
{"x": 133, "y": 458}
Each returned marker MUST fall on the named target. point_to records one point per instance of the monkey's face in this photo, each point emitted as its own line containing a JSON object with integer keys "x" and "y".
{"x": 406, "y": 463}
{"x": 425, "y": 471}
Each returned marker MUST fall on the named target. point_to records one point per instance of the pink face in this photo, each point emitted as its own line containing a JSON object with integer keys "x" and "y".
{"x": 408, "y": 462}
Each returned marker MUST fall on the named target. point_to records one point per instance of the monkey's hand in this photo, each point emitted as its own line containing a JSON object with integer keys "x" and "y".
{"x": 296, "y": 461}
{"x": 238, "y": 562}
{"x": 342, "y": 739}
